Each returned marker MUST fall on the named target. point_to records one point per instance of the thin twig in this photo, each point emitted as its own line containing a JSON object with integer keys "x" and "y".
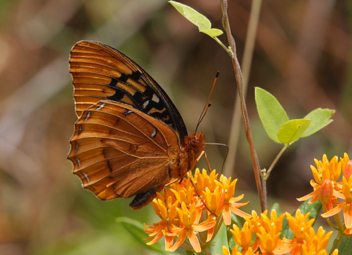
{"x": 239, "y": 82}
{"x": 275, "y": 160}
{"x": 246, "y": 69}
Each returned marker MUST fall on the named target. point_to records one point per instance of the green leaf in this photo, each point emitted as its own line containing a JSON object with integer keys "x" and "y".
{"x": 276, "y": 207}
{"x": 192, "y": 15}
{"x": 136, "y": 229}
{"x": 188, "y": 252}
{"x": 271, "y": 113}
{"x": 345, "y": 246}
{"x": 314, "y": 210}
{"x": 231, "y": 243}
{"x": 219, "y": 241}
{"x": 320, "y": 118}
{"x": 292, "y": 130}
{"x": 213, "y": 32}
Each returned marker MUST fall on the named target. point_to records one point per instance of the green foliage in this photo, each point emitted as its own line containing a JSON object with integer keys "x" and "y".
{"x": 136, "y": 229}
{"x": 199, "y": 20}
{"x": 277, "y": 124}
{"x": 345, "y": 246}
{"x": 271, "y": 113}
{"x": 320, "y": 118}
{"x": 292, "y": 130}
{"x": 276, "y": 207}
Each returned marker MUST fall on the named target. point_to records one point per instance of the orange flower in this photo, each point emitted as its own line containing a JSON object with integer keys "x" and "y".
{"x": 269, "y": 239}
{"x": 300, "y": 226}
{"x": 189, "y": 226}
{"x": 225, "y": 251}
{"x": 214, "y": 200}
{"x": 190, "y": 208}
{"x": 243, "y": 237}
{"x": 268, "y": 231}
{"x": 230, "y": 203}
{"x": 346, "y": 205}
{"x": 166, "y": 226}
{"x": 346, "y": 166}
{"x": 316, "y": 244}
{"x": 203, "y": 180}
{"x": 325, "y": 170}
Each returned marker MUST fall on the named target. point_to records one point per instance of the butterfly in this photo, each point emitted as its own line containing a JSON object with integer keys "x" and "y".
{"x": 129, "y": 139}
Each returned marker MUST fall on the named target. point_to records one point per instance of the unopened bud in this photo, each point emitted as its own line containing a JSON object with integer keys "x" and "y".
{"x": 325, "y": 192}
{"x": 347, "y": 172}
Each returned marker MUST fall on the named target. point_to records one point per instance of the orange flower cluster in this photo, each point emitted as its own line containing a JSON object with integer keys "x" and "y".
{"x": 267, "y": 233}
{"x": 329, "y": 190}
{"x": 192, "y": 210}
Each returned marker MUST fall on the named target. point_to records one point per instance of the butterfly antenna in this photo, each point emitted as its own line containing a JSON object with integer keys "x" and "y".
{"x": 207, "y": 104}
{"x": 227, "y": 152}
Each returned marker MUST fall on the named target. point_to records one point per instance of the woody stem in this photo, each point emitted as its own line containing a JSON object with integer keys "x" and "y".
{"x": 240, "y": 84}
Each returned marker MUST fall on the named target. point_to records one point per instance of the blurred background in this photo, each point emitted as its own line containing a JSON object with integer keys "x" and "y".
{"x": 302, "y": 56}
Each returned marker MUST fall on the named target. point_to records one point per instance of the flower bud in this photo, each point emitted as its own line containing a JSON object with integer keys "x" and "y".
{"x": 347, "y": 172}
{"x": 325, "y": 192}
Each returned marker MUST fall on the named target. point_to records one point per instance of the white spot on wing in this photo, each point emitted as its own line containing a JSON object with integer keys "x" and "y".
{"x": 87, "y": 117}
{"x": 78, "y": 162}
{"x": 100, "y": 107}
{"x": 85, "y": 176}
{"x": 154, "y": 133}
{"x": 155, "y": 98}
{"x": 145, "y": 104}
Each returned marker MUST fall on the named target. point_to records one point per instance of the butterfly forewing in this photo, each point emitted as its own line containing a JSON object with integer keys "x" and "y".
{"x": 118, "y": 151}
{"x": 101, "y": 72}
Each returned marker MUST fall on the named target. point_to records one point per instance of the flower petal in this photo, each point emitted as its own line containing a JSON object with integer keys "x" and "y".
{"x": 238, "y": 212}
{"x": 347, "y": 214}
{"x": 334, "y": 211}
{"x": 194, "y": 241}
{"x": 156, "y": 238}
{"x": 203, "y": 226}
{"x": 309, "y": 196}
{"x": 179, "y": 242}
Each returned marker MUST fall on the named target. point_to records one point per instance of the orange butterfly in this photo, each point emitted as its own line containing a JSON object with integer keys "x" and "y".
{"x": 129, "y": 140}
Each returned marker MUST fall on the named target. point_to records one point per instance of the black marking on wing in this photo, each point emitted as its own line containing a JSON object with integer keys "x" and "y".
{"x": 123, "y": 78}
{"x": 108, "y": 162}
{"x": 135, "y": 75}
{"x": 117, "y": 96}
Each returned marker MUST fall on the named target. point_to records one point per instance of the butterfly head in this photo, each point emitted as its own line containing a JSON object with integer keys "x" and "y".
{"x": 196, "y": 142}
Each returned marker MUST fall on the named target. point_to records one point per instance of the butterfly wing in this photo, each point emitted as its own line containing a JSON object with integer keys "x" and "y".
{"x": 118, "y": 151}
{"x": 101, "y": 72}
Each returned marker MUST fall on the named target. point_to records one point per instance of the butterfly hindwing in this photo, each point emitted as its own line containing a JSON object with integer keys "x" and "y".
{"x": 118, "y": 151}
{"x": 101, "y": 72}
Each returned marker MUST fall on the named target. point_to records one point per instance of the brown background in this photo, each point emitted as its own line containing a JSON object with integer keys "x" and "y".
{"x": 302, "y": 56}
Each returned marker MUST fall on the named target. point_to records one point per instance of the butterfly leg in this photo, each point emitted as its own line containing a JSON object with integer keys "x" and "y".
{"x": 167, "y": 208}
{"x": 196, "y": 191}
{"x": 203, "y": 153}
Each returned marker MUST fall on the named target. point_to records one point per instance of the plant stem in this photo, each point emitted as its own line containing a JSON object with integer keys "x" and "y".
{"x": 239, "y": 82}
{"x": 338, "y": 240}
{"x": 246, "y": 69}
{"x": 275, "y": 160}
